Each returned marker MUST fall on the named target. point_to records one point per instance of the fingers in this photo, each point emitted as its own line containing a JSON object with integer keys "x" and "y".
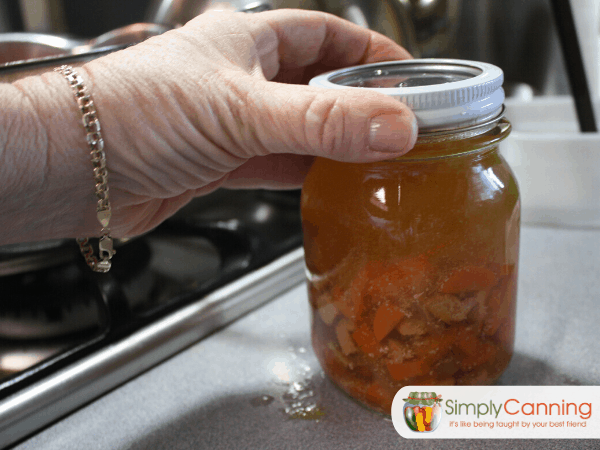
{"x": 264, "y": 118}
{"x": 292, "y": 39}
{"x": 354, "y": 125}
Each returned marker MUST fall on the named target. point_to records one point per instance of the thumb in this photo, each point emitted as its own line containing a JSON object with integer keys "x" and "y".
{"x": 352, "y": 125}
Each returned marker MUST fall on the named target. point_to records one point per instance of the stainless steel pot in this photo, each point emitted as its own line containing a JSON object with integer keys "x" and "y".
{"x": 26, "y": 46}
{"x": 22, "y": 50}
{"x": 178, "y": 12}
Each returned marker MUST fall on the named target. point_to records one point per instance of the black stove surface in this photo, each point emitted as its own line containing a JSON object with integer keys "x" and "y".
{"x": 52, "y": 317}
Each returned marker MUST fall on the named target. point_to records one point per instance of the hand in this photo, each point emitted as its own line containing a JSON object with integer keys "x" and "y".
{"x": 221, "y": 102}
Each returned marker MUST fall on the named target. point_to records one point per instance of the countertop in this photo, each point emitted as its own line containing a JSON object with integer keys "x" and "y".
{"x": 242, "y": 386}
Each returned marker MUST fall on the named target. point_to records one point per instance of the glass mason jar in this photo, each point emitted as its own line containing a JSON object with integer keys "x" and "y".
{"x": 412, "y": 262}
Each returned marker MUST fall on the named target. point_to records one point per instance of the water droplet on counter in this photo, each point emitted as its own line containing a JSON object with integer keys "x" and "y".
{"x": 263, "y": 400}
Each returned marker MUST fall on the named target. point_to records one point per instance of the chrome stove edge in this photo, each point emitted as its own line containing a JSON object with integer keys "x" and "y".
{"x": 48, "y": 400}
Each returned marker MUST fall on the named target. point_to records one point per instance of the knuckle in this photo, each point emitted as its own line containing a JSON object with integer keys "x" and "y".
{"x": 325, "y": 124}
{"x": 230, "y": 103}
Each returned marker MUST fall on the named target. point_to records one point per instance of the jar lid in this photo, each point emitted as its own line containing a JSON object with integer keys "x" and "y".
{"x": 442, "y": 93}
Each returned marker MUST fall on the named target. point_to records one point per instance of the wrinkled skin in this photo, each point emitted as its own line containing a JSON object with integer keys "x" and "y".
{"x": 221, "y": 101}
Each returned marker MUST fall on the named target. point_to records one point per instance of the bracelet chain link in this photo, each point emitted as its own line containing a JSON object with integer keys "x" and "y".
{"x": 95, "y": 142}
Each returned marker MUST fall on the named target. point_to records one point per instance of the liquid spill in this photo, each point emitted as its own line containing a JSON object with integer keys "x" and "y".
{"x": 300, "y": 401}
{"x": 294, "y": 387}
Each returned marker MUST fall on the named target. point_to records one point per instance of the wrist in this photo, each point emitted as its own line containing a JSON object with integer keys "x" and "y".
{"x": 47, "y": 185}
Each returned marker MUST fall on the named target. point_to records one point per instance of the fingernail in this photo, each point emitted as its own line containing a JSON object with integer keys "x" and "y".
{"x": 393, "y": 133}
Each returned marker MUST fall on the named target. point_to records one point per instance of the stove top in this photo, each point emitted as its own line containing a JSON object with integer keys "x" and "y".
{"x": 67, "y": 334}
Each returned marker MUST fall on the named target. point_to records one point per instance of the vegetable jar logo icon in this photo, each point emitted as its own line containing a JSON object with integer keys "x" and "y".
{"x": 422, "y": 411}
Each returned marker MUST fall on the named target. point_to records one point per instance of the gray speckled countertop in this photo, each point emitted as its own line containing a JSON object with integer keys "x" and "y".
{"x": 232, "y": 389}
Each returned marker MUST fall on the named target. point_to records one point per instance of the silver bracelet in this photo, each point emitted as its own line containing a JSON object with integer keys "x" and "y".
{"x": 96, "y": 144}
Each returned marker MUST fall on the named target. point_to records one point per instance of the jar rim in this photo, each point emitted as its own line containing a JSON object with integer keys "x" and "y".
{"x": 497, "y": 128}
{"x": 442, "y": 93}
{"x": 490, "y": 120}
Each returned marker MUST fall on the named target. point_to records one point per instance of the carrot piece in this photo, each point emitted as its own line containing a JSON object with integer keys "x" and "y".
{"x": 386, "y": 318}
{"x": 407, "y": 369}
{"x": 470, "y": 278}
{"x": 342, "y": 331}
{"x": 366, "y": 340}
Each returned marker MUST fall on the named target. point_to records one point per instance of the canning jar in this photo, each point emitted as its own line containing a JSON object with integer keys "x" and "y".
{"x": 412, "y": 262}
